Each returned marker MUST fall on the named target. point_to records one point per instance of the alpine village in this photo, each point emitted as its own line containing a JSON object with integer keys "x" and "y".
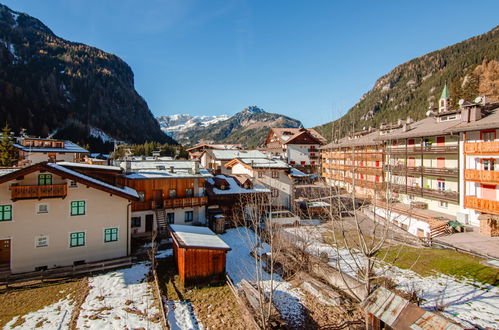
{"x": 110, "y": 218}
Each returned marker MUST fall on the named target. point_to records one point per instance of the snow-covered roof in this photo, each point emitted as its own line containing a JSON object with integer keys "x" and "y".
{"x": 86, "y": 165}
{"x": 297, "y": 173}
{"x": 234, "y": 188}
{"x": 264, "y": 163}
{"x": 197, "y": 237}
{"x": 68, "y": 147}
{"x": 231, "y": 154}
{"x": 124, "y": 190}
{"x": 4, "y": 171}
{"x": 162, "y": 169}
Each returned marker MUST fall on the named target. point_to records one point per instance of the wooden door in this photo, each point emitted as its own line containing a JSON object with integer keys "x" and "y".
{"x": 149, "y": 222}
{"x": 158, "y": 198}
{"x": 5, "y": 252}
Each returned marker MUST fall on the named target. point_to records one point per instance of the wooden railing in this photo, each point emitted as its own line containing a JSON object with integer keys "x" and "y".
{"x": 423, "y": 170}
{"x": 451, "y": 196}
{"x": 479, "y": 175}
{"x": 38, "y": 192}
{"x": 482, "y": 147}
{"x": 483, "y": 205}
{"x": 425, "y": 149}
{"x": 185, "y": 202}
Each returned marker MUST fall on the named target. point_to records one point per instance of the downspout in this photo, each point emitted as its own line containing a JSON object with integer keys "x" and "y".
{"x": 128, "y": 224}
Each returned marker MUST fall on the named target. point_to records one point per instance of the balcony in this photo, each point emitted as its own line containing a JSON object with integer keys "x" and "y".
{"x": 185, "y": 202}
{"x": 430, "y": 149}
{"x": 39, "y": 191}
{"x": 479, "y": 175}
{"x": 451, "y": 196}
{"x": 418, "y": 170}
{"x": 482, "y": 205}
{"x": 482, "y": 147}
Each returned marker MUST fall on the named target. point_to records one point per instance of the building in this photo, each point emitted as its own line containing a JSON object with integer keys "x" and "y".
{"x": 215, "y": 159}
{"x": 274, "y": 174}
{"x": 199, "y": 253}
{"x": 196, "y": 151}
{"x": 37, "y": 150}
{"x": 299, "y": 147}
{"x": 171, "y": 192}
{"x": 355, "y": 164}
{"x": 52, "y": 216}
{"x": 479, "y": 150}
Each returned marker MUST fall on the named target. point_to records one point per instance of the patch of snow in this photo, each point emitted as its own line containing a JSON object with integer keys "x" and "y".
{"x": 181, "y": 316}
{"x": 55, "y": 316}
{"x": 113, "y": 292}
{"x": 98, "y": 133}
{"x": 164, "y": 254}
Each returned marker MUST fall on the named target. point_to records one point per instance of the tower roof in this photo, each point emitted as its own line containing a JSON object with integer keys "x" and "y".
{"x": 445, "y": 93}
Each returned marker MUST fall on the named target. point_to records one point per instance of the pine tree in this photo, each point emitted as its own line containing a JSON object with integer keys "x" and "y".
{"x": 8, "y": 153}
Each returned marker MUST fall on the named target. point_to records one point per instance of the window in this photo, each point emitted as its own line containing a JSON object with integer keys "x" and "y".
{"x": 312, "y": 162}
{"x": 41, "y": 241}
{"x": 302, "y": 162}
{"x": 189, "y": 192}
{"x": 110, "y": 235}
{"x": 77, "y": 239}
{"x": 73, "y": 184}
{"x": 189, "y": 216}
{"x": 5, "y": 212}
{"x": 136, "y": 222}
{"x": 260, "y": 174}
{"x": 274, "y": 192}
{"x": 44, "y": 179}
{"x": 488, "y": 135}
{"x": 171, "y": 217}
{"x": 42, "y": 208}
{"x": 142, "y": 196}
{"x": 441, "y": 185}
{"x": 78, "y": 208}
{"x": 488, "y": 164}
{"x": 173, "y": 193}
{"x": 275, "y": 174}
{"x": 292, "y": 162}
{"x": 443, "y": 204}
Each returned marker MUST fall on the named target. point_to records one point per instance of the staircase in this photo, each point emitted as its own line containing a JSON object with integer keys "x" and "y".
{"x": 161, "y": 220}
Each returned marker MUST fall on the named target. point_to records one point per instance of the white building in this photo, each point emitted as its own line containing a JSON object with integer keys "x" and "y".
{"x": 37, "y": 150}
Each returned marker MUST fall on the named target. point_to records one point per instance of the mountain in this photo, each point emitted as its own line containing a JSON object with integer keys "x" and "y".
{"x": 51, "y": 86}
{"x": 178, "y": 124}
{"x": 248, "y": 127}
{"x": 470, "y": 68}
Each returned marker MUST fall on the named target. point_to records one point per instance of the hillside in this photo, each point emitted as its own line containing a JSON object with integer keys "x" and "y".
{"x": 471, "y": 68}
{"x": 49, "y": 85}
{"x": 174, "y": 125}
{"x": 248, "y": 127}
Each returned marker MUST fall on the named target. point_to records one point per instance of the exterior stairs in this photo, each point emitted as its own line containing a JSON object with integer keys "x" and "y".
{"x": 161, "y": 220}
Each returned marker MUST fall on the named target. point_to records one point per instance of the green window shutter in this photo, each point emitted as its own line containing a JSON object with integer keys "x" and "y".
{"x": 77, "y": 239}
{"x": 110, "y": 235}
{"x": 78, "y": 208}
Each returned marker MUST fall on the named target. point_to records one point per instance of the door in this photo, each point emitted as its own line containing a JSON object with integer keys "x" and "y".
{"x": 171, "y": 217}
{"x": 440, "y": 162}
{"x": 441, "y": 184}
{"x": 411, "y": 162}
{"x": 158, "y": 198}
{"x": 489, "y": 192}
{"x": 149, "y": 221}
{"x": 440, "y": 141}
{"x": 5, "y": 253}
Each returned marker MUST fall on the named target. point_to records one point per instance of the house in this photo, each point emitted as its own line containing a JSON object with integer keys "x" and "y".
{"x": 171, "y": 192}
{"x": 215, "y": 159}
{"x": 37, "y": 150}
{"x": 199, "y": 253}
{"x": 271, "y": 173}
{"x": 52, "y": 216}
{"x": 299, "y": 147}
{"x": 196, "y": 151}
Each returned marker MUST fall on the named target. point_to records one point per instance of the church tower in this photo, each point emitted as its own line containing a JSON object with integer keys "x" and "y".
{"x": 443, "y": 104}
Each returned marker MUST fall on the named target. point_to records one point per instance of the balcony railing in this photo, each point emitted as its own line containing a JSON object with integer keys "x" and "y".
{"x": 482, "y": 147}
{"x": 451, "y": 196}
{"x": 423, "y": 170}
{"x": 483, "y": 205}
{"x": 39, "y": 192}
{"x": 430, "y": 149}
{"x": 479, "y": 175}
{"x": 170, "y": 203}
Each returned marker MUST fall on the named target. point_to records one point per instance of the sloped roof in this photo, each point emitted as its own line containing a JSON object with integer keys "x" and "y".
{"x": 368, "y": 139}
{"x": 487, "y": 122}
{"x": 287, "y": 134}
{"x": 259, "y": 163}
{"x": 231, "y": 154}
{"x": 193, "y": 237}
{"x": 425, "y": 127}
{"x": 68, "y": 147}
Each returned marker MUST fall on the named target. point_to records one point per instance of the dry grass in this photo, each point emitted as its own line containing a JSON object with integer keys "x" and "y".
{"x": 20, "y": 302}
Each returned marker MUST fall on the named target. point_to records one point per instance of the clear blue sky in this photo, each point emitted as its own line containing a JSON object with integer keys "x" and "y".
{"x": 311, "y": 60}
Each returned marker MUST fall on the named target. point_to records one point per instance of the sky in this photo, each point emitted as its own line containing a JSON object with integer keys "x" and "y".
{"x": 310, "y": 60}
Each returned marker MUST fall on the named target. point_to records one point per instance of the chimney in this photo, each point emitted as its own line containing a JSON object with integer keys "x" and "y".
{"x": 195, "y": 167}
{"x": 404, "y": 127}
{"x": 465, "y": 115}
{"x": 475, "y": 114}
{"x": 128, "y": 166}
{"x": 172, "y": 169}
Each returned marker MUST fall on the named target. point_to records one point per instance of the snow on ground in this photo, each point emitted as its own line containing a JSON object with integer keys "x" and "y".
{"x": 55, "y": 316}
{"x": 241, "y": 265}
{"x": 164, "y": 254}
{"x": 466, "y": 301}
{"x": 120, "y": 299}
{"x": 181, "y": 316}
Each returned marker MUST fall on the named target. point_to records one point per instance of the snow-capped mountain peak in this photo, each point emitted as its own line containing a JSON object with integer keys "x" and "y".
{"x": 178, "y": 123}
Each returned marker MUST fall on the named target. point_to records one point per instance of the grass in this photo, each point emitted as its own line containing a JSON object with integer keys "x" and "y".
{"x": 214, "y": 305}
{"x": 20, "y": 302}
{"x": 427, "y": 261}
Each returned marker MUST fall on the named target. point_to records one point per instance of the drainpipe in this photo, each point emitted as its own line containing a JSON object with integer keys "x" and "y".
{"x": 128, "y": 224}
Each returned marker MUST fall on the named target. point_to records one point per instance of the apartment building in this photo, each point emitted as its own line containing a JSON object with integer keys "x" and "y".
{"x": 215, "y": 159}
{"x": 53, "y": 216}
{"x": 171, "y": 192}
{"x": 299, "y": 147}
{"x": 196, "y": 151}
{"x": 37, "y": 150}
{"x": 355, "y": 163}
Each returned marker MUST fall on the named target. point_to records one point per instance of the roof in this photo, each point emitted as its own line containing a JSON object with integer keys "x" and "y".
{"x": 162, "y": 169}
{"x": 231, "y": 154}
{"x": 398, "y": 313}
{"x": 91, "y": 166}
{"x": 425, "y": 127}
{"x": 445, "y": 93}
{"x": 234, "y": 188}
{"x": 259, "y": 163}
{"x": 67, "y": 173}
{"x": 216, "y": 146}
{"x": 368, "y": 139}
{"x": 193, "y": 237}
{"x": 68, "y": 147}
{"x": 287, "y": 134}
{"x": 297, "y": 173}
{"x": 487, "y": 122}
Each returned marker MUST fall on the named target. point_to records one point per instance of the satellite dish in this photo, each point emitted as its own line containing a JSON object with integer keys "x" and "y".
{"x": 461, "y": 101}
{"x": 479, "y": 99}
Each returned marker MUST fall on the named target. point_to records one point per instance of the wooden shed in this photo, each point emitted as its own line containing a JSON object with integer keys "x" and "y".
{"x": 199, "y": 253}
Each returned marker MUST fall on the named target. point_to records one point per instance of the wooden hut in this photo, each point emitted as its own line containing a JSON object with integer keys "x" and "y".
{"x": 199, "y": 253}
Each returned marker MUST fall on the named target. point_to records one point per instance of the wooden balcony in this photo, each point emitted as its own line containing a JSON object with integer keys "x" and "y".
{"x": 185, "y": 202}
{"x": 39, "y": 191}
{"x": 482, "y": 205}
{"x": 432, "y": 149}
{"x": 423, "y": 170}
{"x": 364, "y": 156}
{"x": 491, "y": 147}
{"x": 451, "y": 196}
{"x": 333, "y": 155}
{"x": 483, "y": 176}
